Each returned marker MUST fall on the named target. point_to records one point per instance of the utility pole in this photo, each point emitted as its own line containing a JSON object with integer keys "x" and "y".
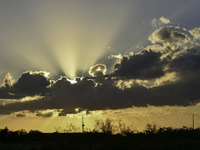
{"x": 83, "y": 125}
{"x": 193, "y": 120}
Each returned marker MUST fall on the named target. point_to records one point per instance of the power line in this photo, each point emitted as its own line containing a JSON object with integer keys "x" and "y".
{"x": 193, "y": 120}
{"x": 83, "y": 125}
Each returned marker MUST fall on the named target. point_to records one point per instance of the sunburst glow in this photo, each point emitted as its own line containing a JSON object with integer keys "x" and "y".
{"x": 60, "y": 42}
{"x": 65, "y": 60}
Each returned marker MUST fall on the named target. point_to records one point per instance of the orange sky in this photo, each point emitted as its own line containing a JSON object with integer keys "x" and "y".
{"x": 172, "y": 116}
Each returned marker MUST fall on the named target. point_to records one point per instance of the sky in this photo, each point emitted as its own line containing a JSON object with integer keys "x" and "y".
{"x": 133, "y": 60}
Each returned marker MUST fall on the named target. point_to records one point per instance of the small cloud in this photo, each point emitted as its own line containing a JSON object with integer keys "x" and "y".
{"x": 8, "y": 81}
{"x": 48, "y": 114}
{"x": 31, "y": 98}
{"x": 20, "y": 115}
{"x": 64, "y": 112}
{"x": 195, "y": 33}
{"x": 98, "y": 70}
{"x": 164, "y": 20}
{"x": 156, "y": 23}
{"x": 119, "y": 56}
{"x": 168, "y": 78}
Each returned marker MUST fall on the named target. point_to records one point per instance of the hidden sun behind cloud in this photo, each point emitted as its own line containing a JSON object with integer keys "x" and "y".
{"x": 166, "y": 72}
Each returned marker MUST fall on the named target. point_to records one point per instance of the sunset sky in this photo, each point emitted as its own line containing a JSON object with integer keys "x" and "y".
{"x": 133, "y": 60}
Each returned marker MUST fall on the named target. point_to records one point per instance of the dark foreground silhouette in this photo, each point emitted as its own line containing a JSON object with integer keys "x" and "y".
{"x": 164, "y": 138}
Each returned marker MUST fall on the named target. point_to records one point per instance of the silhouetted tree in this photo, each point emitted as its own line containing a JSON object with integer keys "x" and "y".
{"x": 21, "y": 132}
{"x": 4, "y": 133}
{"x": 70, "y": 128}
{"x": 104, "y": 126}
{"x": 151, "y": 128}
{"x": 123, "y": 129}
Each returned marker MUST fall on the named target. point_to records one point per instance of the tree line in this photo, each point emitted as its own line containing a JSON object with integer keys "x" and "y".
{"x": 106, "y": 127}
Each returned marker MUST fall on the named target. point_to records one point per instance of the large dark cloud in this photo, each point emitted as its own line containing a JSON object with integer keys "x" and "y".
{"x": 29, "y": 84}
{"x": 164, "y": 73}
{"x": 187, "y": 62}
{"x": 32, "y": 83}
{"x": 84, "y": 94}
{"x": 143, "y": 65}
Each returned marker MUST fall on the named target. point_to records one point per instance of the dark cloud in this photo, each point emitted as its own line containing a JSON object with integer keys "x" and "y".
{"x": 164, "y": 73}
{"x": 8, "y": 93}
{"x": 187, "y": 62}
{"x": 183, "y": 92}
{"x": 48, "y": 114}
{"x": 32, "y": 83}
{"x": 143, "y": 65}
{"x": 6, "y": 89}
{"x": 83, "y": 94}
{"x": 64, "y": 112}
{"x": 163, "y": 34}
{"x": 20, "y": 115}
{"x": 29, "y": 84}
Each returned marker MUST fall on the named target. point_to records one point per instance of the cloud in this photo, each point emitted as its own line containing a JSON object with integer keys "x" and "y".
{"x": 98, "y": 70}
{"x": 168, "y": 78}
{"x": 48, "y": 114}
{"x": 171, "y": 41}
{"x": 167, "y": 34}
{"x": 195, "y": 33}
{"x": 143, "y": 65}
{"x": 20, "y": 115}
{"x": 83, "y": 94}
{"x": 33, "y": 82}
{"x": 160, "y": 22}
{"x": 63, "y": 112}
{"x": 29, "y": 84}
{"x": 8, "y": 81}
{"x": 164, "y": 73}
{"x": 6, "y": 89}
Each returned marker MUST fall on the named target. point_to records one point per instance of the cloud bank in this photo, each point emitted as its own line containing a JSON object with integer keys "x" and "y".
{"x": 164, "y": 73}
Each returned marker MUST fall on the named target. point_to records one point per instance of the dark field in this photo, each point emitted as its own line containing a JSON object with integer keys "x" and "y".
{"x": 163, "y": 138}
